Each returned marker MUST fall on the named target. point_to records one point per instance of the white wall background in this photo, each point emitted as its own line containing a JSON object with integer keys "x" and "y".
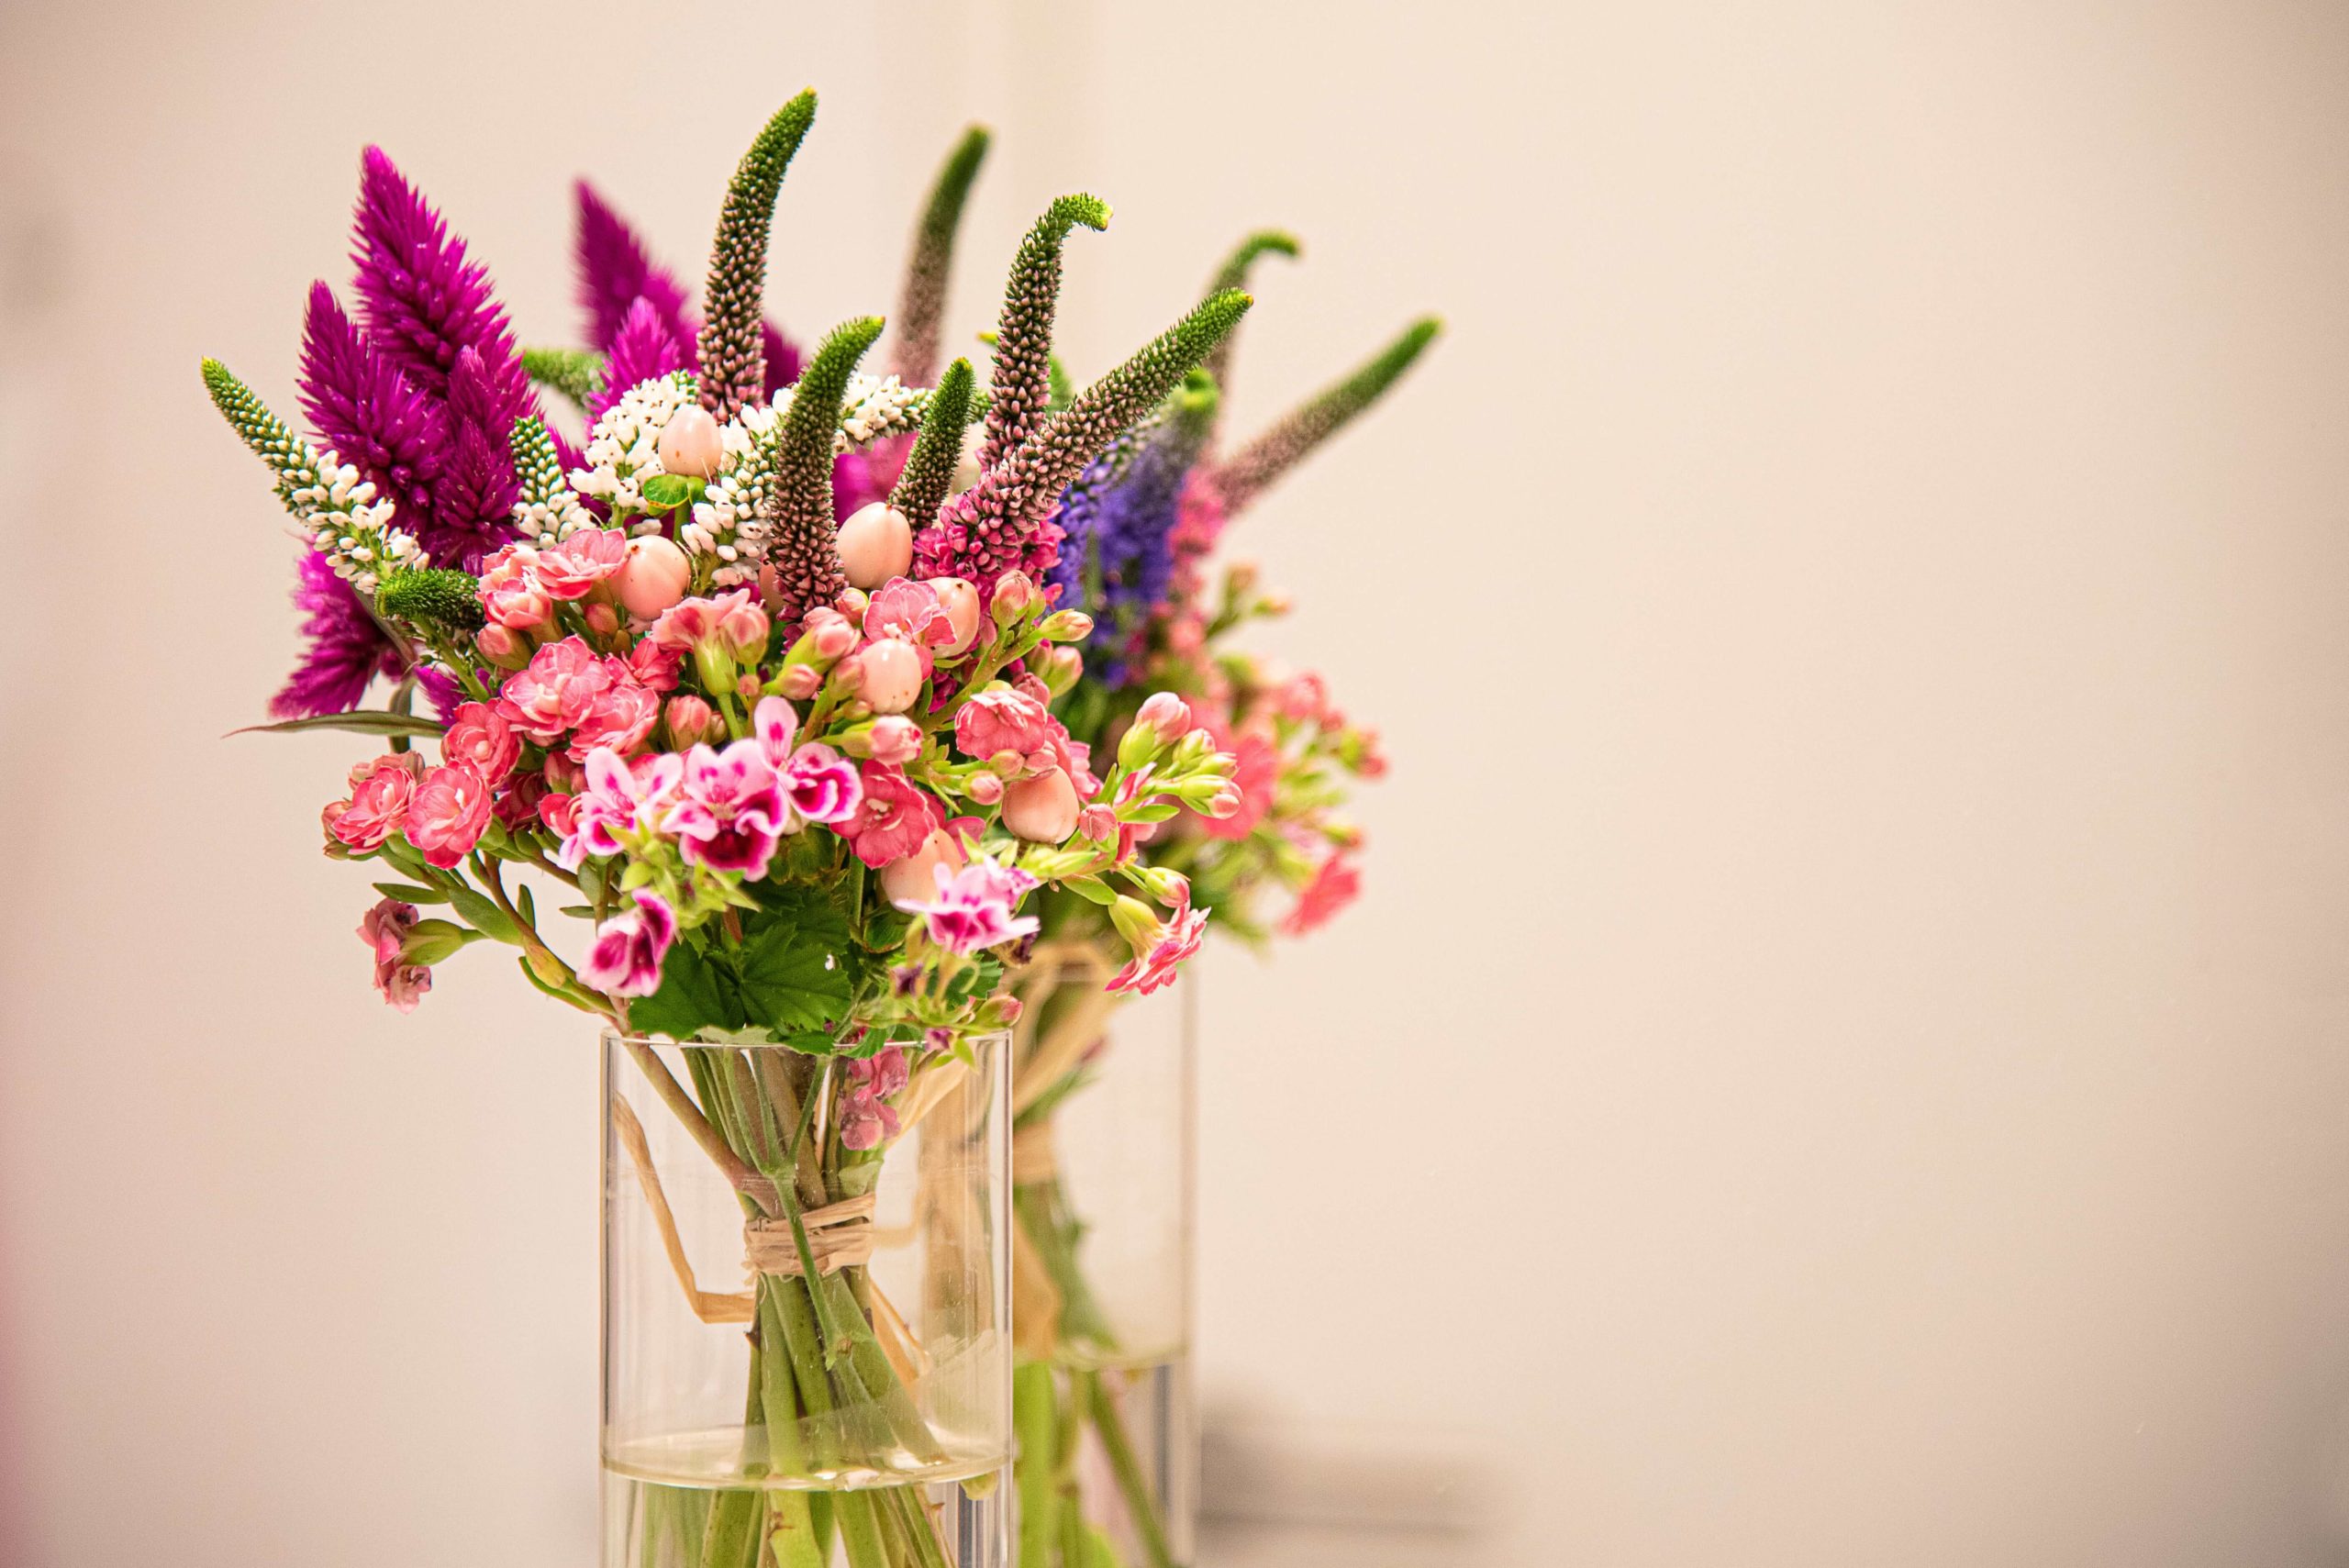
{"x": 1846, "y": 1057}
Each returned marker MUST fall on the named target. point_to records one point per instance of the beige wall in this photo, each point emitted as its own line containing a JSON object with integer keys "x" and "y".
{"x": 1846, "y": 1057}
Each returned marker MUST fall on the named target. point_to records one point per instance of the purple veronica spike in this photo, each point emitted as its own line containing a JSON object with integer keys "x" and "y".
{"x": 362, "y": 407}
{"x": 474, "y": 502}
{"x": 346, "y": 649}
{"x": 644, "y": 347}
{"x": 425, "y": 301}
{"x": 616, "y": 271}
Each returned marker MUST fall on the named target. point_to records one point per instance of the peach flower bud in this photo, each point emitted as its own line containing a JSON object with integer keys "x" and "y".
{"x": 1007, "y": 762}
{"x": 688, "y": 718}
{"x": 961, "y": 603}
{"x": 986, "y": 788}
{"x": 1097, "y": 822}
{"x": 801, "y": 682}
{"x": 602, "y": 619}
{"x": 1060, "y": 668}
{"x": 896, "y": 738}
{"x": 890, "y": 675}
{"x": 1042, "y": 809}
{"x": 1277, "y": 604}
{"x": 503, "y": 646}
{"x": 835, "y": 638}
{"x": 853, "y": 603}
{"x": 1067, "y": 626}
{"x": 1225, "y": 802}
{"x": 746, "y": 687}
{"x": 1014, "y": 593}
{"x": 914, "y": 878}
{"x": 876, "y": 543}
{"x": 1167, "y": 714}
{"x": 691, "y": 443}
{"x": 653, "y": 575}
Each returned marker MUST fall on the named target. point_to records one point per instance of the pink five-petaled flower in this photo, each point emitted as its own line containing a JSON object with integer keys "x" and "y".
{"x": 555, "y": 690}
{"x": 616, "y": 797}
{"x": 622, "y": 714}
{"x": 818, "y": 783}
{"x": 1161, "y": 946}
{"x": 510, "y": 594}
{"x": 573, "y": 569}
{"x": 384, "y": 930}
{"x": 482, "y": 736}
{"x": 380, "y": 793}
{"x": 626, "y": 958}
{"x": 729, "y": 813}
{"x": 974, "y": 906}
{"x": 894, "y": 819}
{"x": 1335, "y": 885}
{"x": 1002, "y": 718}
{"x": 450, "y": 809}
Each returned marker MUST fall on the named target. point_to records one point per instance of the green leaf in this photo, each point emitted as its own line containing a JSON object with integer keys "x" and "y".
{"x": 795, "y": 974}
{"x": 664, "y": 491}
{"x": 484, "y": 916}
{"x": 358, "y": 721}
{"x": 1092, "y": 889}
{"x": 718, "y": 1034}
{"x": 691, "y": 998}
{"x": 528, "y": 904}
{"x": 409, "y": 893}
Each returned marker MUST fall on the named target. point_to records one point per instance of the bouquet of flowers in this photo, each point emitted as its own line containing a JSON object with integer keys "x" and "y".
{"x": 757, "y": 681}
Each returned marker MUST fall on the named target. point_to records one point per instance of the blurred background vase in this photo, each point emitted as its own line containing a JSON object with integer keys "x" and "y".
{"x": 751, "y": 1418}
{"x": 1102, "y": 1164}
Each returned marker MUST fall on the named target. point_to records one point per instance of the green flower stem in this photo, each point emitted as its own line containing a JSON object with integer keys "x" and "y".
{"x": 1036, "y": 1418}
{"x": 1111, "y": 1427}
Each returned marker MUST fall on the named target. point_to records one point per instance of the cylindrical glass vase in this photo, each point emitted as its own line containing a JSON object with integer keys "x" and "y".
{"x": 1102, "y": 1195}
{"x": 806, "y": 1307}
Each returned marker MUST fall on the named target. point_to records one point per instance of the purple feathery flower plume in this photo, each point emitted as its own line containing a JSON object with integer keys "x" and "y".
{"x": 346, "y": 649}
{"x": 425, "y": 301}
{"x": 645, "y": 347}
{"x": 361, "y": 407}
{"x": 782, "y": 356}
{"x": 474, "y": 508}
{"x": 616, "y": 271}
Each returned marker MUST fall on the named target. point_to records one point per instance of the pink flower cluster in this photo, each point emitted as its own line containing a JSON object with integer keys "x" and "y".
{"x": 598, "y": 701}
{"x": 1161, "y": 946}
{"x": 865, "y": 1115}
{"x": 442, "y": 811}
{"x": 384, "y": 931}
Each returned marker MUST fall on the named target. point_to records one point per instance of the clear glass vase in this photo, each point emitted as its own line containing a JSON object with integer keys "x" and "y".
{"x": 807, "y": 1347}
{"x": 1102, "y": 1184}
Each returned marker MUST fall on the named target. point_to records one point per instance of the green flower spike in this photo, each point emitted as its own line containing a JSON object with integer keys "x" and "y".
{"x": 1233, "y": 274}
{"x": 923, "y": 303}
{"x": 929, "y": 468}
{"x": 799, "y": 509}
{"x": 433, "y": 597}
{"x": 733, "y": 352}
{"x": 1021, "y": 379}
{"x": 576, "y": 374}
{"x": 1278, "y": 449}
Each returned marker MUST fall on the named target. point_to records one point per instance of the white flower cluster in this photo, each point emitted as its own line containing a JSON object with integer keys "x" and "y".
{"x": 339, "y": 511}
{"x": 550, "y": 518}
{"x": 622, "y": 451}
{"x": 877, "y": 408}
{"x": 727, "y": 526}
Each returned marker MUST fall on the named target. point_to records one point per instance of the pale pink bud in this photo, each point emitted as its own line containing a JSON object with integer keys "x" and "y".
{"x": 1042, "y": 809}
{"x": 653, "y": 575}
{"x": 1277, "y": 604}
{"x": 691, "y": 443}
{"x": 688, "y": 718}
{"x": 835, "y": 638}
{"x": 913, "y": 878}
{"x": 743, "y": 631}
{"x": 746, "y": 687}
{"x": 602, "y": 619}
{"x": 801, "y": 682}
{"x": 1225, "y": 802}
{"x": 853, "y": 603}
{"x": 1014, "y": 593}
{"x": 1097, "y": 822}
{"x": 896, "y": 738}
{"x": 1007, "y": 762}
{"x": 876, "y": 543}
{"x": 986, "y": 788}
{"x": 961, "y": 603}
{"x": 503, "y": 646}
{"x": 891, "y": 674}
{"x": 1067, "y": 626}
{"x": 1167, "y": 714}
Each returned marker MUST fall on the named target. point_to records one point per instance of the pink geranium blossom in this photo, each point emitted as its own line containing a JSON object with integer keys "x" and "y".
{"x": 1160, "y": 952}
{"x": 380, "y": 793}
{"x": 555, "y": 690}
{"x": 974, "y": 906}
{"x": 446, "y": 817}
{"x": 818, "y": 784}
{"x": 1336, "y": 884}
{"x": 384, "y": 931}
{"x": 482, "y": 736}
{"x": 626, "y": 958}
{"x": 894, "y": 819}
{"x": 729, "y": 813}
{"x": 574, "y": 567}
{"x": 617, "y": 797}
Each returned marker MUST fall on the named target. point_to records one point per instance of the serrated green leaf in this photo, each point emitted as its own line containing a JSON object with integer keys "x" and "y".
{"x": 691, "y": 998}
{"x": 793, "y": 973}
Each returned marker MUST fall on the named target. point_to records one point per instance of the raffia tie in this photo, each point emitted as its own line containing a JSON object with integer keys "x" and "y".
{"x": 839, "y": 1235}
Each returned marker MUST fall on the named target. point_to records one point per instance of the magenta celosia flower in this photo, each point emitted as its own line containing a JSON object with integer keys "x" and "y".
{"x": 729, "y": 813}
{"x": 620, "y": 718}
{"x": 572, "y": 569}
{"x": 645, "y": 348}
{"x": 615, "y": 272}
{"x": 384, "y": 930}
{"x": 348, "y": 647}
{"x": 448, "y": 813}
{"x": 362, "y": 405}
{"x": 555, "y": 690}
{"x": 615, "y": 796}
{"x": 894, "y": 819}
{"x": 473, "y": 504}
{"x": 377, "y": 809}
{"x": 974, "y": 906}
{"x": 481, "y": 736}
{"x": 425, "y": 301}
{"x": 1336, "y": 884}
{"x": 626, "y": 958}
{"x": 1160, "y": 950}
